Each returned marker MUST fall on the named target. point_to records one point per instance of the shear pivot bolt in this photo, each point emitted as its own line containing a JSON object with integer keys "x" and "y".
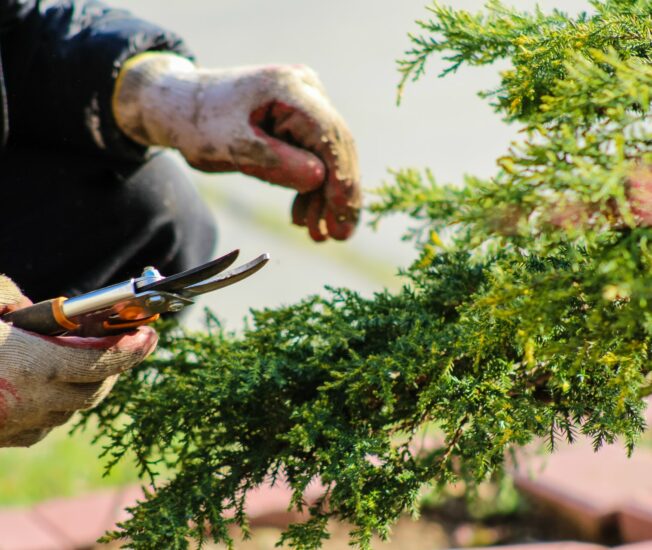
{"x": 175, "y": 306}
{"x": 154, "y": 300}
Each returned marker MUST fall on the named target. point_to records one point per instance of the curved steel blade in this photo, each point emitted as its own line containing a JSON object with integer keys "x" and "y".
{"x": 180, "y": 281}
{"x": 228, "y": 278}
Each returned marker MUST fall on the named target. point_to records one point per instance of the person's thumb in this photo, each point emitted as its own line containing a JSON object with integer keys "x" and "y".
{"x": 83, "y": 360}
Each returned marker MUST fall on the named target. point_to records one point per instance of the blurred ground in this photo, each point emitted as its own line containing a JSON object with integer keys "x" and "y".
{"x": 407, "y": 534}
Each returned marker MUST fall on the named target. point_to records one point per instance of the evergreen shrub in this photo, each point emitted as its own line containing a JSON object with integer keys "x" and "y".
{"x": 527, "y": 314}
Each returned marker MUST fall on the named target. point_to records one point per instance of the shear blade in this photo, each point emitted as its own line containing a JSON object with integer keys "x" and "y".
{"x": 228, "y": 278}
{"x": 180, "y": 281}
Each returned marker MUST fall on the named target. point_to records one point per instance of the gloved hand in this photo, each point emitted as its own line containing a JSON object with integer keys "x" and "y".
{"x": 44, "y": 380}
{"x": 274, "y": 123}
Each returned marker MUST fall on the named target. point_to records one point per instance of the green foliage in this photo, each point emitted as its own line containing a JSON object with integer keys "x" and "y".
{"x": 538, "y": 45}
{"x": 527, "y": 313}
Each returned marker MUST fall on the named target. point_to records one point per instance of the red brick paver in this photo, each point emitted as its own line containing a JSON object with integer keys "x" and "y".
{"x": 268, "y": 505}
{"x": 19, "y": 530}
{"x": 80, "y": 520}
{"x": 635, "y": 519}
{"x": 588, "y": 489}
{"x": 563, "y": 545}
{"x": 592, "y": 490}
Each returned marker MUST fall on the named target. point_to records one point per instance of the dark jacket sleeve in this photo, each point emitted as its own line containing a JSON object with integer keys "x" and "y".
{"x": 12, "y": 11}
{"x": 61, "y": 59}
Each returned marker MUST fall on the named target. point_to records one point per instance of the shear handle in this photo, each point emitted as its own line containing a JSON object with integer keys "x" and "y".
{"x": 46, "y": 318}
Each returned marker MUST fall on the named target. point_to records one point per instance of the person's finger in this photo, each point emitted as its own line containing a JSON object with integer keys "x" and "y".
{"x": 326, "y": 135}
{"x": 315, "y": 217}
{"x": 340, "y": 228}
{"x": 300, "y": 209}
{"x": 84, "y": 360}
{"x": 269, "y": 159}
{"x": 276, "y": 156}
{"x": 295, "y": 167}
{"x": 342, "y": 188}
{"x": 293, "y": 125}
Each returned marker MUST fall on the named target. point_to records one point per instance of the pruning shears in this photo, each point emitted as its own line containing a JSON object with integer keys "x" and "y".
{"x": 130, "y": 304}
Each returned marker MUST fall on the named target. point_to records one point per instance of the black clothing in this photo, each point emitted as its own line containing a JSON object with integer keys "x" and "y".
{"x": 61, "y": 59}
{"x": 78, "y": 223}
{"x": 84, "y": 206}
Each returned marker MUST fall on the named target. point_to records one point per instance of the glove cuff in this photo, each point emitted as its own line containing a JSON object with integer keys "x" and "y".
{"x": 147, "y": 86}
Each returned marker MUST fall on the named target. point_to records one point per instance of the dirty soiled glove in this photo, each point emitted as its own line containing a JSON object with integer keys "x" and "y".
{"x": 44, "y": 380}
{"x": 275, "y": 123}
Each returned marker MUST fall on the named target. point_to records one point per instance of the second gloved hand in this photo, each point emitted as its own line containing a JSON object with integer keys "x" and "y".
{"x": 44, "y": 380}
{"x": 275, "y": 123}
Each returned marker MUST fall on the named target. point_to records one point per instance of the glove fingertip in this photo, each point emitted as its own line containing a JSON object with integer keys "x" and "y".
{"x": 142, "y": 341}
{"x": 317, "y": 234}
{"x": 300, "y": 208}
{"x": 315, "y": 221}
{"x": 339, "y": 227}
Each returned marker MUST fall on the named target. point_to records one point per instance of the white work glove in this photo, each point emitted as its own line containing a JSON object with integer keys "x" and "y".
{"x": 274, "y": 123}
{"x": 44, "y": 380}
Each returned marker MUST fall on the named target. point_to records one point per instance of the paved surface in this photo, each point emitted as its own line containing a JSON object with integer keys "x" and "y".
{"x": 596, "y": 494}
{"x": 602, "y": 494}
{"x": 76, "y": 524}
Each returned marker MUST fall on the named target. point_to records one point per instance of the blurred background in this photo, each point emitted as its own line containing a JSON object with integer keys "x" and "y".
{"x": 353, "y": 45}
